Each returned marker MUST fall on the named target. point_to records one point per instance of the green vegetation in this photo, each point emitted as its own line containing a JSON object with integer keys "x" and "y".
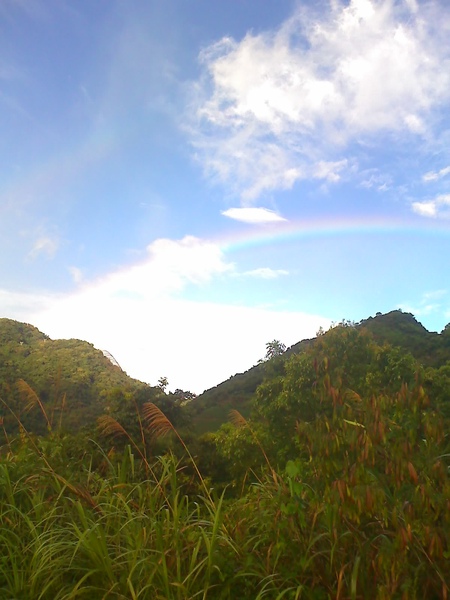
{"x": 334, "y": 484}
{"x": 75, "y": 382}
{"x": 398, "y": 329}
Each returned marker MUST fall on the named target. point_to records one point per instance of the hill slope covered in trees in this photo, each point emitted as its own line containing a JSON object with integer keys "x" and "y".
{"x": 335, "y": 485}
{"x": 396, "y": 328}
{"x": 68, "y": 376}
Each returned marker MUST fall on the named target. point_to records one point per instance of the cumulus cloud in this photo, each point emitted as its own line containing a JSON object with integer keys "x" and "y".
{"x": 256, "y": 215}
{"x": 22, "y": 305}
{"x": 438, "y": 207}
{"x": 275, "y": 106}
{"x": 169, "y": 265}
{"x": 138, "y": 315}
{"x": 196, "y": 345}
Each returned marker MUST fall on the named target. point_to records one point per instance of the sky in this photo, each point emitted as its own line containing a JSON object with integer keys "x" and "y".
{"x": 182, "y": 182}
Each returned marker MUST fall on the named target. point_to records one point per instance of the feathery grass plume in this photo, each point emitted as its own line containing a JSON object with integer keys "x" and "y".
{"x": 238, "y": 421}
{"x": 24, "y": 434}
{"x": 157, "y": 422}
{"x": 32, "y": 399}
{"x": 110, "y": 427}
{"x": 79, "y": 491}
{"x": 160, "y": 426}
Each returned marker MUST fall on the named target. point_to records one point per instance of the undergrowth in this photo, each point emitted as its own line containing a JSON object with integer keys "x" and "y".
{"x": 362, "y": 512}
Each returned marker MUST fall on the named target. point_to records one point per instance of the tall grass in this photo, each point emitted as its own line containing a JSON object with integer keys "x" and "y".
{"x": 136, "y": 540}
{"x": 362, "y": 512}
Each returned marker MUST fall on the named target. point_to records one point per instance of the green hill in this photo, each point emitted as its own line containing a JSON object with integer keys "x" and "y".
{"x": 337, "y": 486}
{"x": 396, "y": 328}
{"x": 74, "y": 381}
{"x": 404, "y": 331}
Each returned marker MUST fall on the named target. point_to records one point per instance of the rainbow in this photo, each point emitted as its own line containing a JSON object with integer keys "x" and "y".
{"x": 304, "y": 229}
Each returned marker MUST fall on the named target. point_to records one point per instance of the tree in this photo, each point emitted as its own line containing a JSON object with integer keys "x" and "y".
{"x": 163, "y": 382}
{"x": 182, "y": 396}
{"x": 273, "y": 349}
{"x": 345, "y": 360}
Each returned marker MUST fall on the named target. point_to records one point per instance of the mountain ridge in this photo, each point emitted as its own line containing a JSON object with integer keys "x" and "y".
{"x": 397, "y": 328}
{"x": 91, "y": 382}
{"x": 66, "y": 371}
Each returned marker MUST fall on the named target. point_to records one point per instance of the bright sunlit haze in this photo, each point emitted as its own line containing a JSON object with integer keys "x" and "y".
{"x": 182, "y": 182}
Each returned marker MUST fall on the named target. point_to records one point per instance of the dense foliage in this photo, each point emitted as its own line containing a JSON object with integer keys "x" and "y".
{"x": 74, "y": 382}
{"x": 335, "y": 484}
{"x": 398, "y": 329}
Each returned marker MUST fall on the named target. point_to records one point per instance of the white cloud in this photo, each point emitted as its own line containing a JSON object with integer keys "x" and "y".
{"x": 137, "y": 314}
{"x": 426, "y": 208}
{"x": 329, "y": 171}
{"x": 435, "y": 175}
{"x": 264, "y": 273}
{"x": 374, "y": 179}
{"x": 167, "y": 268}
{"x": 43, "y": 245}
{"x": 434, "y": 295}
{"x": 429, "y": 303}
{"x": 257, "y": 215}
{"x": 77, "y": 274}
{"x": 20, "y": 305}
{"x": 274, "y": 106}
{"x": 195, "y": 344}
{"x": 438, "y": 207}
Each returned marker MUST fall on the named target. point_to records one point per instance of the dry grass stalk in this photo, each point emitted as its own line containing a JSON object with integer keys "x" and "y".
{"x": 157, "y": 422}
{"x": 79, "y": 491}
{"x": 63, "y": 405}
{"x": 239, "y": 420}
{"x": 110, "y": 427}
{"x": 32, "y": 399}
{"x": 160, "y": 426}
{"x": 141, "y": 429}
{"x": 25, "y": 435}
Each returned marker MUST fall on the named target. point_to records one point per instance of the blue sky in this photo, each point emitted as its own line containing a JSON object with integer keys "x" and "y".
{"x": 184, "y": 181}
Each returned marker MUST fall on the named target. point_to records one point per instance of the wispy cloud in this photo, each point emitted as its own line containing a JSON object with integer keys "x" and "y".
{"x": 430, "y": 302}
{"x": 375, "y": 180}
{"x": 274, "y": 106}
{"x": 435, "y": 175}
{"x": 256, "y": 215}
{"x": 264, "y": 273}
{"x": 44, "y": 245}
{"x": 77, "y": 274}
{"x": 437, "y": 207}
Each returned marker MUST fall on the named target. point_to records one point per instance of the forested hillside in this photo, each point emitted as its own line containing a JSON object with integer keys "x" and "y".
{"x": 334, "y": 484}
{"x": 74, "y": 382}
{"x": 396, "y": 328}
